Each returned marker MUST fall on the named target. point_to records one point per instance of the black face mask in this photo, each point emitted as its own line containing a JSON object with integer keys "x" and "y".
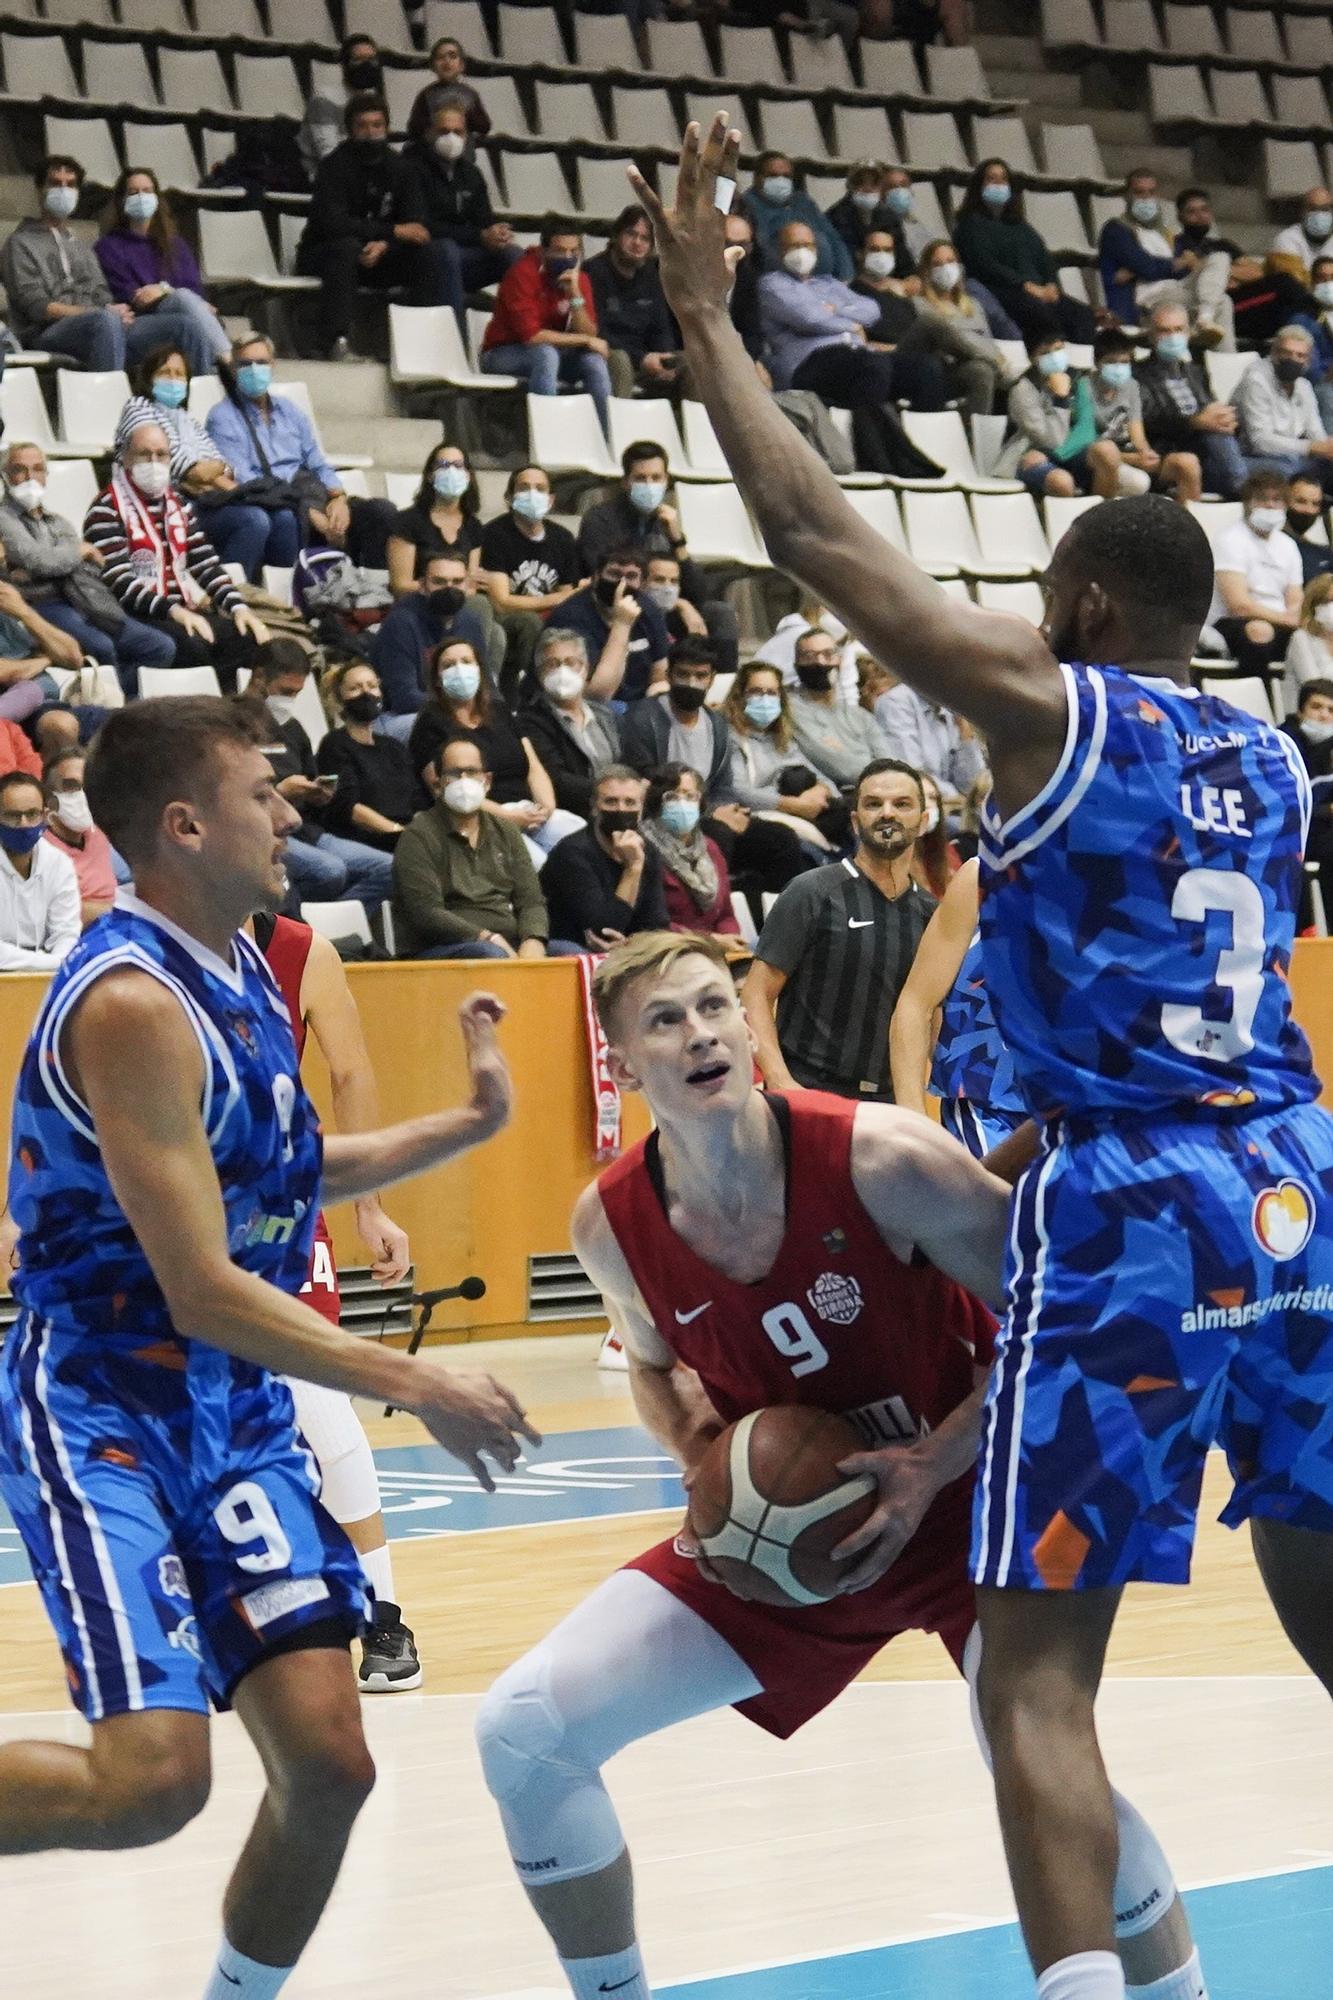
{"x": 1300, "y": 524}
{"x": 1289, "y": 371}
{"x": 688, "y": 699}
{"x": 604, "y": 590}
{"x": 363, "y": 707}
{"x": 817, "y": 680}
{"x": 1196, "y": 232}
{"x": 370, "y": 150}
{"x": 617, "y": 822}
{"x": 447, "y": 601}
{"x": 365, "y": 75}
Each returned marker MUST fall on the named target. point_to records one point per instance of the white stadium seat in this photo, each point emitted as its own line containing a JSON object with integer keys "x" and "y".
{"x": 89, "y": 407}
{"x": 157, "y": 681}
{"x": 565, "y": 436}
{"x": 718, "y": 527}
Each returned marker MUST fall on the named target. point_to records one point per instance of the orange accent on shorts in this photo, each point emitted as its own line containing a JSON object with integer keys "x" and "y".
{"x": 1143, "y": 1383}
{"x": 1060, "y": 1553}
{"x": 164, "y": 1353}
{"x": 110, "y": 1454}
{"x": 1227, "y": 1299}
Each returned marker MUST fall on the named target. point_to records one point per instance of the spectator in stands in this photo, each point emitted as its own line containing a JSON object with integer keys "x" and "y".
{"x": 1280, "y": 425}
{"x": 71, "y": 831}
{"x": 694, "y": 869}
{"x": 367, "y": 227}
{"x": 837, "y": 738}
{"x": 442, "y": 519}
{"x": 1261, "y": 300}
{"x": 161, "y": 565}
{"x": 544, "y": 327}
{"x": 463, "y": 702}
{"x": 936, "y": 858}
{"x": 529, "y": 566}
{"x": 632, "y": 313}
{"x": 1310, "y": 653}
{"x": 1005, "y": 252}
{"x": 455, "y": 203}
{"x": 1317, "y": 319}
{"x": 1295, "y": 249}
{"x": 1180, "y": 412}
{"x": 865, "y": 208}
{"x": 29, "y": 648}
{"x": 17, "y": 752}
{"x": 322, "y": 127}
{"x": 575, "y": 737}
{"x": 1258, "y": 593}
{"x": 1118, "y": 409}
{"x": 818, "y": 337}
{"x": 1140, "y": 268}
{"x": 441, "y": 605}
{"x": 59, "y": 300}
{"x": 769, "y": 775}
{"x": 948, "y": 292}
{"x": 743, "y": 304}
{"x": 901, "y": 204}
{"x": 378, "y": 790}
{"x": 1311, "y": 730}
{"x": 642, "y": 515}
{"x": 1305, "y": 511}
{"x": 60, "y": 573}
{"x": 972, "y": 364}
{"x": 239, "y": 528}
{"x": 625, "y": 635}
{"x": 605, "y": 883}
{"x": 663, "y": 589}
{"x": 39, "y": 891}
{"x": 934, "y": 741}
{"x": 836, "y": 949}
{"x": 149, "y": 267}
{"x": 1052, "y": 443}
{"x": 323, "y": 867}
{"x": 271, "y": 446}
{"x": 463, "y": 883}
{"x": 774, "y": 201}
{"x": 449, "y": 88}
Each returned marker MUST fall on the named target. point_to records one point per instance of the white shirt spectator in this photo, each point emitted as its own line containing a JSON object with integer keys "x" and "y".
{"x": 1270, "y": 565}
{"x": 1295, "y": 243}
{"x": 929, "y": 738}
{"x": 39, "y": 911}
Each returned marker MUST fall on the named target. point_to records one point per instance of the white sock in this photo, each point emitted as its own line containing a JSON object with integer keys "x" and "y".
{"x": 1185, "y": 1983}
{"x": 378, "y": 1566}
{"x": 236, "y": 1977}
{"x": 621, "y": 1974}
{"x": 1088, "y": 1975}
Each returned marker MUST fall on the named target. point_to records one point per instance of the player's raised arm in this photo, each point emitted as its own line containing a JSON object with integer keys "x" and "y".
{"x": 992, "y": 668}
{"x": 920, "y": 1186}
{"x": 936, "y": 966}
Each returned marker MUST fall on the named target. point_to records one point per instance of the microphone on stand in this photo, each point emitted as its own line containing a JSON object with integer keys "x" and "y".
{"x": 426, "y": 1302}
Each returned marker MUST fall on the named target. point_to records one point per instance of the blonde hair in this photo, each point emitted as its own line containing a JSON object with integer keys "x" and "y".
{"x": 649, "y": 952}
{"x": 734, "y": 705}
{"x": 1317, "y": 591}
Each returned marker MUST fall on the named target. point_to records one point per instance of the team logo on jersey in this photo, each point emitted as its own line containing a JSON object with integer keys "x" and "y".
{"x": 1227, "y": 1097}
{"x": 185, "y": 1639}
{"x": 1283, "y": 1219}
{"x": 244, "y": 1033}
{"x": 171, "y": 1577}
{"x": 835, "y": 1298}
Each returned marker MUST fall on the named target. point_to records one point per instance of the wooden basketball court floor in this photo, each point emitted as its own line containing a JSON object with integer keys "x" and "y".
{"x": 859, "y": 1860}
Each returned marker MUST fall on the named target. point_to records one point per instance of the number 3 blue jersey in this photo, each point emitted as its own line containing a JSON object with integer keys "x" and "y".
{"x": 1137, "y": 916}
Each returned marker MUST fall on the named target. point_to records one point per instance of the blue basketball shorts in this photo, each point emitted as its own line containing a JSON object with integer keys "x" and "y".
{"x": 1169, "y": 1287}
{"x": 167, "y": 1581}
{"x": 980, "y": 1127}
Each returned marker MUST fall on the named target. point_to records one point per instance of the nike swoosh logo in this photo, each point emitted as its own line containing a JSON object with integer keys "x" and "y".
{"x": 682, "y": 1319}
{"x": 621, "y": 1984}
{"x": 859, "y": 923}
{"x": 227, "y": 1976}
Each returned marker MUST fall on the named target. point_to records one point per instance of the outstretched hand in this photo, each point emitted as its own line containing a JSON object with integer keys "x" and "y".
{"x": 492, "y": 1090}
{"x": 691, "y": 237}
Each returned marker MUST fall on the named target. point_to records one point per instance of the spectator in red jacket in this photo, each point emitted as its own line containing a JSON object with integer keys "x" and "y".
{"x": 694, "y": 871}
{"x": 16, "y": 751}
{"x": 544, "y": 327}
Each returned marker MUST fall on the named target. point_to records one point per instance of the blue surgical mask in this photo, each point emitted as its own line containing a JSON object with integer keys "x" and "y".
{"x": 647, "y": 494}
{"x": 1056, "y": 362}
{"x": 169, "y": 391}
{"x": 996, "y": 194}
{"x": 557, "y": 266}
{"x": 776, "y": 188}
{"x": 1115, "y": 374}
{"x": 451, "y": 482}
{"x": 60, "y": 202}
{"x": 899, "y": 200}
{"x": 1318, "y": 222}
{"x": 1147, "y": 210}
{"x": 1324, "y": 293}
{"x": 22, "y": 839}
{"x": 1173, "y": 346}
{"x": 253, "y": 378}
{"x": 140, "y": 207}
{"x": 680, "y": 816}
{"x": 460, "y": 682}
{"x": 532, "y": 504}
{"x": 763, "y": 710}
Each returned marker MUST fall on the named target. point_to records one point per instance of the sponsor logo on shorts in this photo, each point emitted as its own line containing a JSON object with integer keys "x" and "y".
{"x": 538, "y": 1867}
{"x": 277, "y": 1600}
{"x": 1226, "y": 1313}
{"x": 185, "y": 1639}
{"x": 1283, "y": 1219}
{"x": 836, "y": 1298}
{"x": 171, "y": 1577}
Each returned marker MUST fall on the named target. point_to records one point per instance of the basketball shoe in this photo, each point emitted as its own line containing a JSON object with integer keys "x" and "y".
{"x": 389, "y": 1661}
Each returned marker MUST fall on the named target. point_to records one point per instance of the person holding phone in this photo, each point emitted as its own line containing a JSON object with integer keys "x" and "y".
{"x": 544, "y": 327}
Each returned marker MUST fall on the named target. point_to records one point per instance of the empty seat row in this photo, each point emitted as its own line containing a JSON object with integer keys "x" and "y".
{"x": 1137, "y": 27}
{"x": 1181, "y": 94}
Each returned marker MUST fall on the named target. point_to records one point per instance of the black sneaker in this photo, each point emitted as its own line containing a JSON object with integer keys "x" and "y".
{"x": 389, "y": 1662}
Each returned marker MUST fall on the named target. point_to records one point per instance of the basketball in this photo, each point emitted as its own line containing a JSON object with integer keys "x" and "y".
{"x": 768, "y": 1504}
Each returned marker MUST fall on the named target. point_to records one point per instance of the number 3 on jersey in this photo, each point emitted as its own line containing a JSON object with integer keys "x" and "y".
{"x": 1240, "y": 965}
{"x": 795, "y": 1339}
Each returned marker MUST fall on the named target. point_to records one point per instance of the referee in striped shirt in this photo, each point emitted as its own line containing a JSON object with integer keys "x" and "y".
{"x": 837, "y": 947}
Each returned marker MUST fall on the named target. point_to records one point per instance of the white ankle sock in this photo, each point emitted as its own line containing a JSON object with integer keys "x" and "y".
{"x": 621, "y": 1974}
{"x": 378, "y": 1566}
{"x": 1185, "y": 1983}
{"x": 236, "y": 1977}
{"x": 1088, "y": 1975}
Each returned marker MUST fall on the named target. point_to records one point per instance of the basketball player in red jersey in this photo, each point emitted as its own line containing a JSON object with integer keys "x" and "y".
{"x": 759, "y": 1250}
{"x": 311, "y": 977}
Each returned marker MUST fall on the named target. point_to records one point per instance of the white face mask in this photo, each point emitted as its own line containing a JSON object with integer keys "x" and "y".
{"x": 449, "y": 145}
{"x": 29, "y": 493}
{"x": 1267, "y": 520}
{"x": 1324, "y": 617}
{"x": 666, "y": 596}
{"x": 944, "y": 277}
{"x": 282, "y": 707}
{"x": 1317, "y": 732}
{"x": 464, "y": 795}
{"x": 563, "y": 683}
{"x": 931, "y": 819}
{"x": 801, "y": 261}
{"x": 74, "y": 811}
{"x": 151, "y": 477}
{"x": 879, "y": 263}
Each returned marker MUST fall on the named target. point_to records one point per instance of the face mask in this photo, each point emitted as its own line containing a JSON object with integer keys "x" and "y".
{"x": 74, "y": 811}
{"x": 140, "y": 207}
{"x": 20, "y": 839}
{"x": 282, "y": 707}
{"x": 688, "y": 699}
{"x": 1324, "y": 617}
{"x": 816, "y": 679}
{"x": 151, "y": 478}
{"x": 1300, "y": 524}
{"x": 1266, "y": 520}
{"x": 449, "y": 145}
{"x": 617, "y": 822}
{"x": 777, "y": 188}
{"x": 370, "y": 150}
{"x": 1196, "y": 232}
{"x": 1173, "y": 346}
{"x": 364, "y": 75}
{"x": 563, "y": 683}
{"x": 1116, "y": 373}
{"x": 680, "y": 816}
{"x": 60, "y": 202}
{"x": 763, "y": 710}
{"x": 460, "y": 683}
{"x": 1317, "y": 732}
{"x": 557, "y": 266}
{"x": 996, "y": 194}
{"x": 605, "y": 588}
{"x": 866, "y": 201}
{"x": 1054, "y": 363}
{"x": 1324, "y": 293}
{"x": 1145, "y": 210}
{"x": 1288, "y": 371}
{"x": 801, "y": 261}
{"x": 363, "y": 707}
{"x": 931, "y": 819}
{"x": 253, "y": 378}
{"x": 647, "y": 494}
{"x": 451, "y": 482}
{"x": 447, "y": 601}
{"x": 945, "y": 277}
{"x": 531, "y": 504}
{"x": 29, "y": 494}
{"x": 1318, "y": 223}
{"x": 464, "y": 795}
{"x": 899, "y": 200}
{"x": 879, "y": 263}
{"x": 666, "y": 596}
{"x": 169, "y": 391}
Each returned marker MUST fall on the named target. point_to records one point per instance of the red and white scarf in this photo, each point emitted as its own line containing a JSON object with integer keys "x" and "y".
{"x": 150, "y": 553}
{"x": 605, "y": 1095}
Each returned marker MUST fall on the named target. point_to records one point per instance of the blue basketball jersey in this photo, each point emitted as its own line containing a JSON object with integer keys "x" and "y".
{"x": 970, "y": 1059}
{"x": 83, "y": 1278}
{"x": 1137, "y": 916}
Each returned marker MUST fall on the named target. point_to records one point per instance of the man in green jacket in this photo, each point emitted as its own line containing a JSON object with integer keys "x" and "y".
{"x": 463, "y": 883}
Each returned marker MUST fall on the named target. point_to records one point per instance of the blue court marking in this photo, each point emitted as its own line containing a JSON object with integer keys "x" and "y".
{"x": 571, "y": 1476}
{"x": 1269, "y": 1937}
